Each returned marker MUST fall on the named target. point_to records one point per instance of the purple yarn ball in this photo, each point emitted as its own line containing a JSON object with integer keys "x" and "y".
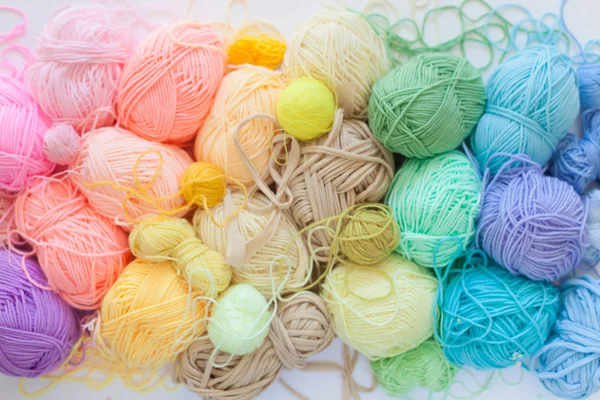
{"x": 534, "y": 225}
{"x": 37, "y": 328}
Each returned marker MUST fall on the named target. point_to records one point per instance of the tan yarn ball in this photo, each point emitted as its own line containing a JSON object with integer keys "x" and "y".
{"x": 300, "y": 330}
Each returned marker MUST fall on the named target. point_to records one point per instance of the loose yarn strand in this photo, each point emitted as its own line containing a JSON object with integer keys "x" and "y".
{"x": 19, "y": 30}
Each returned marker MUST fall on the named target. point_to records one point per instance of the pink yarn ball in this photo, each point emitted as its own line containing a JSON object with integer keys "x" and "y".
{"x": 22, "y": 129}
{"x": 62, "y": 144}
{"x": 80, "y": 57}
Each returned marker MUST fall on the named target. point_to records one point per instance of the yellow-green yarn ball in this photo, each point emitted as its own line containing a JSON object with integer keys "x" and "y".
{"x": 381, "y": 311}
{"x": 239, "y": 322}
{"x": 306, "y": 109}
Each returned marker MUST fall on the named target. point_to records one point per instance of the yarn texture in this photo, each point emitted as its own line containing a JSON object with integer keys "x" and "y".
{"x": 427, "y": 106}
{"x": 62, "y": 144}
{"x": 261, "y": 50}
{"x": 7, "y": 216}
{"x": 203, "y": 184}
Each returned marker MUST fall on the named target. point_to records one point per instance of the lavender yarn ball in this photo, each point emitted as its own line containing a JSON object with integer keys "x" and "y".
{"x": 534, "y": 225}
{"x": 37, "y": 328}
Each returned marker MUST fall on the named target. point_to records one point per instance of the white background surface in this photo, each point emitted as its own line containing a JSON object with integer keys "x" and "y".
{"x": 582, "y": 16}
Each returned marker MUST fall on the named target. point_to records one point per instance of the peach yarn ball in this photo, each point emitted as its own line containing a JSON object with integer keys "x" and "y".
{"x": 7, "y": 216}
{"x": 106, "y": 171}
{"x": 80, "y": 252}
{"x": 79, "y": 60}
{"x": 244, "y": 92}
{"x": 169, "y": 84}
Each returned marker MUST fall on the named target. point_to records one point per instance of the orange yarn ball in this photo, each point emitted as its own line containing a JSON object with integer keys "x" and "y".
{"x": 261, "y": 50}
{"x": 80, "y": 252}
{"x": 127, "y": 178}
{"x": 243, "y": 92}
{"x": 169, "y": 84}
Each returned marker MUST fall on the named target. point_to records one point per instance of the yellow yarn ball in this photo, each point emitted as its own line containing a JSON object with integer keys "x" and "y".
{"x": 381, "y": 311}
{"x": 147, "y": 318}
{"x": 174, "y": 239}
{"x": 306, "y": 109}
{"x": 261, "y": 50}
{"x": 203, "y": 183}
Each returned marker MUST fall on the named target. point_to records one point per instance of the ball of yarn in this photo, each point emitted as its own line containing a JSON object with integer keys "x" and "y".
{"x": 147, "y": 316}
{"x": 435, "y": 199}
{"x": 532, "y": 224}
{"x": 81, "y": 252}
{"x": 243, "y": 92}
{"x": 381, "y": 311}
{"x": 306, "y": 108}
{"x": 7, "y": 216}
{"x": 426, "y": 366}
{"x": 203, "y": 183}
{"x": 568, "y": 363}
{"x": 262, "y": 50}
{"x": 79, "y": 60}
{"x": 592, "y": 253}
{"x": 156, "y": 240}
{"x": 252, "y": 241}
{"x": 169, "y": 84}
{"x": 22, "y": 128}
{"x": 128, "y": 178}
{"x": 37, "y": 329}
{"x": 589, "y": 85}
{"x": 340, "y": 48}
{"x": 487, "y": 331}
{"x": 532, "y": 103}
{"x": 300, "y": 329}
{"x": 62, "y": 144}
{"x": 239, "y": 321}
{"x": 427, "y": 106}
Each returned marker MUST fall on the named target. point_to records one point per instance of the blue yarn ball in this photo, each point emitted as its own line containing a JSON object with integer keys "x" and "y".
{"x": 569, "y": 364}
{"x": 532, "y": 102}
{"x": 589, "y": 85}
{"x": 489, "y": 318}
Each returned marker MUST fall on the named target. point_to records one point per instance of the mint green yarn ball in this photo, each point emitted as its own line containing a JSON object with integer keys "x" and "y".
{"x": 239, "y": 321}
{"x": 427, "y": 106}
{"x": 435, "y": 201}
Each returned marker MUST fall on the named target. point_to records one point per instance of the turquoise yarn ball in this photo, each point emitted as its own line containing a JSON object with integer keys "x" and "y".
{"x": 427, "y": 106}
{"x": 489, "y": 318}
{"x": 435, "y": 202}
{"x": 532, "y": 102}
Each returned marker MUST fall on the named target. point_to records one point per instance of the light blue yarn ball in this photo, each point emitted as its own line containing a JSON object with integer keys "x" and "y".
{"x": 569, "y": 364}
{"x": 589, "y": 85}
{"x": 532, "y": 102}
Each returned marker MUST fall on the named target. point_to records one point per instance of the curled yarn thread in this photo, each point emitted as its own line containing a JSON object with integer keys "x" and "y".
{"x": 158, "y": 240}
{"x": 37, "y": 329}
{"x": 384, "y": 310}
{"x": 532, "y": 103}
{"x": 426, "y": 366}
{"x": 435, "y": 199}
{"x": 79, "y": 61}
{"x": 483, "y": 331}
{"x": 533, "y": 225}
{"x": 81, "y": 252}
{"x": 301, "y": 329}
{"x": 568, "y": 363}
{"x": 427, "y": 106}
{"x": 169, "y": 84}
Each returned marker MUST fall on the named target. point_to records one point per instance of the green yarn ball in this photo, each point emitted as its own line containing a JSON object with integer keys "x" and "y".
{"x": 435, "y": 201}
{"x": 427, "y": 106}
{"x": 426, "y": 366}
{"x": 239, "y": 322}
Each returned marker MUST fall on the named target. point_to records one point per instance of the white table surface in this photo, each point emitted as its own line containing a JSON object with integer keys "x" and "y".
{"x": 514, "y": 384}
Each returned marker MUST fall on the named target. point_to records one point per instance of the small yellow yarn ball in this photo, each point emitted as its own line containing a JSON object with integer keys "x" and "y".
{"x": 203, "y": 183}
{"x": 306, "y": 108}
{"x": 261, "y": 50}
{"x": 239, "y": 321}
{"x": 381, "y": 311}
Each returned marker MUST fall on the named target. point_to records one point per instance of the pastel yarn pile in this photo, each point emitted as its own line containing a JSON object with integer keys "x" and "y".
{"x": 532, "y": 103}
{"x": 489, "y": 318}
{"x": 81, "y": 252}
{"x": 37, "y": 329}
{"x": 169, "y": 84}
{"x": 79, "y": 61}
{"x": 435, "y": 202}
{"x": 244, "y": 93}
{"x": 427, "y": 106}
{"x": 568, "y": 363}
{"x": 301, "y": 329}
{"x": 532, "y": 224}
{"x": 381, "y": 311}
